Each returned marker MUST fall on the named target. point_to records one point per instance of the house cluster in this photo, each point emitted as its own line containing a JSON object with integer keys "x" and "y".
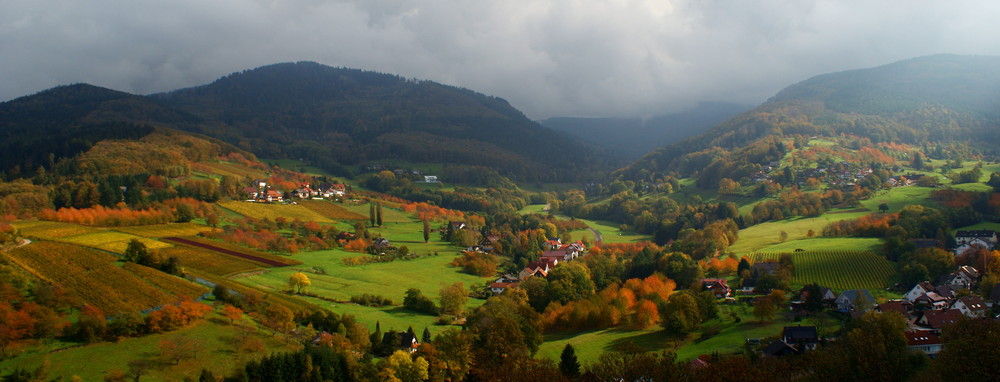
{"x": 973, "y": 240}
{"x": 260, "y": 191}
{"x": 554, "y": 253}
{"x": 929, "y": 308}
{"x": 845, "y": 174}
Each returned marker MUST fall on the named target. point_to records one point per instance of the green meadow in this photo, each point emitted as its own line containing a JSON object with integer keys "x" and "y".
{"x": 91, "y": 362}
{"x": 729, "y": 338}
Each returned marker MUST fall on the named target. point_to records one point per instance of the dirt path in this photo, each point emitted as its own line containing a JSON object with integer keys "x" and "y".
{"x": 597, "y": 235}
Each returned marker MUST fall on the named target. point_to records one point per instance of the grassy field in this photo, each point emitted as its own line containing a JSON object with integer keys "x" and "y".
{"x": 899, "y": 197}
{"x": 837, "y": 269}
{"x": 429, "y": 274}
{"x": 334, "y": 211}
{"x": 389, "y": 215}
{"x": 340, "y": 282}
{"x": 766, "y": 234}
{"x": 91, "y": 362}
{"x": 411, "y": 235}
{"x": 611, "y": 234}
{"x": 827, "y": 244}
{"x": 272, "y": 211}
{"x": 730, "y": 339}
{"x": 983, "y": 225}
{"x": 533, "y": 209}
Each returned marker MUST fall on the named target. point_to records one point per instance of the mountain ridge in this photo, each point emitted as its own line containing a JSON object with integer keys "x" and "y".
{"x": 942, "y": 98}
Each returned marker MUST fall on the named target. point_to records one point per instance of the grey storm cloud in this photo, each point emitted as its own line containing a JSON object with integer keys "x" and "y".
{"x": 548, "y": 58}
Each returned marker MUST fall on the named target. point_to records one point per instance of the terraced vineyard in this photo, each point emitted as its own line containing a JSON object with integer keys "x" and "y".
{"x": 840, "y": 270}
{"x": 273, "y": 211}
{"x": 93, "y": 276}
{"x": 208, "y": 261}
{"x": 247, "y": 254}
{"x": 165, "y": 230}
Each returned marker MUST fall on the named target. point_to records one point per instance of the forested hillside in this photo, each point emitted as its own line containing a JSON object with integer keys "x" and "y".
{"x": 944, "y": 101}
{"x": 334, "y": 117}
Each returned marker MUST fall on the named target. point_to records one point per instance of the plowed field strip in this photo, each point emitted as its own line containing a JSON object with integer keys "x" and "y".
{"x": 210, "y": 247}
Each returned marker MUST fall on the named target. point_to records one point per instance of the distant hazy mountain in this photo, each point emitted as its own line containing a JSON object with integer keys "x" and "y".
{"x": 943, "y": 98}
{"x": 331, "y": 117}
{"x": 633, "y": 137}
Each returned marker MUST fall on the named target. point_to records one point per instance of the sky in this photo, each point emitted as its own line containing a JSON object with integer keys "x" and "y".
{"x": 609, "y": 58}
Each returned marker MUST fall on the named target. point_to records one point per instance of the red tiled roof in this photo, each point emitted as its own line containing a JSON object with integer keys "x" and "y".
{"x": 919, "y": 338}
{"x": 938, "y": 318}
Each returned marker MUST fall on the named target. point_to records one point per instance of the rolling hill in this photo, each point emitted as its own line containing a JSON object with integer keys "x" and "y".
{"x": 943, "y": 99}
{"x": 331, "y": 117}
{"x": 335, "y": 116}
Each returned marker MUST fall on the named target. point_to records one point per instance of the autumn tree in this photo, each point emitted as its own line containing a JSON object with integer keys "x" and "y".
{"x": 279, "y": 318}
{"x": 177, "y": 349}
{"x": 232, "y": 313}
{"x": 873, "y": 348}
{"x": 298, "y": 282}
{"x": 964, "y": 338}
{"x": 415, "y": 300}
{"x": 681, "y": 314}
{"x": 765, "y": 307}
{"x": 136, "y": 251}
{"x": 401, "y": 367}
{"x": 453, "y": 298}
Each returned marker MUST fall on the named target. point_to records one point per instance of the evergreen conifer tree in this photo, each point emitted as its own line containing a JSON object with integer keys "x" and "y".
{"x": 568, "y": 364}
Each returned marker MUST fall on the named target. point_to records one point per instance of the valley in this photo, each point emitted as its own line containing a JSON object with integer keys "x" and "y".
{"x": 407, "y": 230}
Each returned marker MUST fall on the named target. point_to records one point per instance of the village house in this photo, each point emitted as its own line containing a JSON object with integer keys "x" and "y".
{"x": 497, "y": 288}
{"x": 918, "y": 290}
{"x": 718, "y": 287}
{"x": 405, "y": 341}
{"x": 965, "y": 277}
{"x": 926, "y": 342}
{"x": 273, "y": 196}
{"x": 932, "y": 300}
{"x": 971, "y": 306}
{"x": 902, "y": 307}
{"x": 826, "y": 294}
{"x": 934, "y": 320}
{"x": 801, "y": 337}
{"x": 849, "y": 300}
{"x": 988, "y": 238}
{"x": 553, "y": 244}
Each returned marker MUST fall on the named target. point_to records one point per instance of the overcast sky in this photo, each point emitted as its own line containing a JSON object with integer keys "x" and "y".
{"x": 548, "y": 58}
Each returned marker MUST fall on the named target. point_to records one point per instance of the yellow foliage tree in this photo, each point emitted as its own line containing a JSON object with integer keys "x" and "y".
{"x": 299, "y": 281}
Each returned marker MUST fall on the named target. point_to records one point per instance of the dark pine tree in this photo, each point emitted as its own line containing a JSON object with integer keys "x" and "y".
{"x": 378, "y": 214}
{"x": 568, "y": 364}
{"x": 427, "y": 336}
